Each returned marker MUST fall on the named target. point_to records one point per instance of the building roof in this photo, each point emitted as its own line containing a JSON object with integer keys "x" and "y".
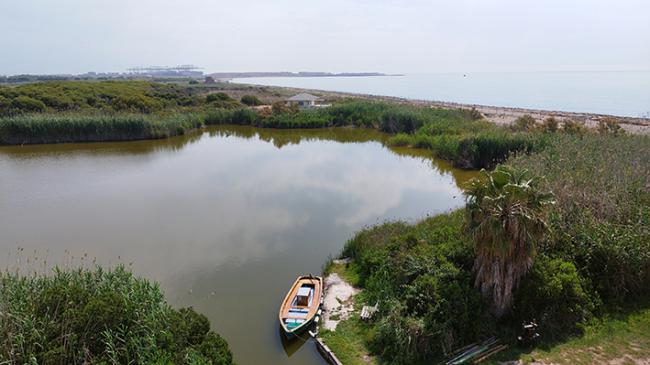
{"x": 303, "y": 97}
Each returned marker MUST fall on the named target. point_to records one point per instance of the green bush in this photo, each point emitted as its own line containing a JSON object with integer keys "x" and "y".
{"x": 97, "y": 316}
{"x": 572, "y": 127}
{"x": 615, "y": 258}
{"x": 550, "y": 125}
{"x": 524, "y": 123}
{"x": 126, "y": 96}
{"x": 250, "y": 100}
{"x": 610, "y": 125}
{"x": 421, "y": 277}
{"x": 556, "y": 296}
{"x": 220, "y": 96}
{"x": 400, "y": 140}
{"x": 27, "y": 104}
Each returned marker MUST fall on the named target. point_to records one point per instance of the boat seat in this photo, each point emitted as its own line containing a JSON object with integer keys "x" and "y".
{"x": 298, "y": 313}
{"x": 293, "y": 323}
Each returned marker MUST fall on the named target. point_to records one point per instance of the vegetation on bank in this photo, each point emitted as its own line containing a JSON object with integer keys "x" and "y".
{"x": 99, "y": 317}
{"x": 61, "y": 128}
{"x": 105, "y": 96}
{"x": 68, "y": 111}
{"x": 620, "y": 337}
{"x": 565, "y": 264}
{"x": 592, "y": 258}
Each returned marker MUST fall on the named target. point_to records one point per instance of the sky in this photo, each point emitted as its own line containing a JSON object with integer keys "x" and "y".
{"x": 77, "y": 36}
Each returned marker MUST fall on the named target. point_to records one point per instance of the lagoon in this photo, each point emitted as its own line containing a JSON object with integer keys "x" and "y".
{"x": 224, "y": 218}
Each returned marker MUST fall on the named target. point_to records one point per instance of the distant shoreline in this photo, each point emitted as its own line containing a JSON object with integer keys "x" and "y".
{"x": 244, "y": 75}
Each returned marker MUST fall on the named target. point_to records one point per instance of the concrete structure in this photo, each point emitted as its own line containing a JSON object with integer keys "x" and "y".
{"x": 303, "y": 100}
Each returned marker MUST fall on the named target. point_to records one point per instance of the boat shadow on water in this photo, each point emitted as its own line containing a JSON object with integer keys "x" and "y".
{"x": 293, "y": 345}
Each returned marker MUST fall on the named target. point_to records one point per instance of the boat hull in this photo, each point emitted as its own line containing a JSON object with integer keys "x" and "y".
{"x": 290, "y": 335}
{"x": 301, "y": 305}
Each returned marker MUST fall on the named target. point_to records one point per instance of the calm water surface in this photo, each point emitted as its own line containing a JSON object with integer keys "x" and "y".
{"x": 615, "y": 93}
{"x": 224, "y": 219}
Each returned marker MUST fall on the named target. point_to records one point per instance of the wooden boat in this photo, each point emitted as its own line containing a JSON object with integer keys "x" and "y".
{"x": 301, "y": 305}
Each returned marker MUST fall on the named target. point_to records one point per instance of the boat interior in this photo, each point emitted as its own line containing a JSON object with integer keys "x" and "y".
{"x": 301, "y": 305}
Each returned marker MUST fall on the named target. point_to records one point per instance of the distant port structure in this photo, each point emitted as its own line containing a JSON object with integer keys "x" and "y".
{"x": 168, "y": 71}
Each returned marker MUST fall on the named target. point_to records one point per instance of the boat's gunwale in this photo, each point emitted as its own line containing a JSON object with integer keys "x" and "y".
{"x": 318, "y": 302}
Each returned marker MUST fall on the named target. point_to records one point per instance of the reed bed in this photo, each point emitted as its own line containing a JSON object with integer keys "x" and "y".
{"x": 93, "y": 315}
{"x": 62, "y": 128}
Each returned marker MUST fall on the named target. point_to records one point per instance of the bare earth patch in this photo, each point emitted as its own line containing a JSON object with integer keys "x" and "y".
{"x": 338, "y": 302}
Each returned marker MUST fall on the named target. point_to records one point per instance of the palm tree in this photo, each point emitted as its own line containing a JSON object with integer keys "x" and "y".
{"x": 506, "y": 217}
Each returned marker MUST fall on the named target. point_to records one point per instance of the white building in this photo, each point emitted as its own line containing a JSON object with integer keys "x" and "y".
{"x": 303, "y": 100}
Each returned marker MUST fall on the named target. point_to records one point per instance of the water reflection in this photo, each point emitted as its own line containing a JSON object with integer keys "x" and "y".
{"x": 224, "y": 219}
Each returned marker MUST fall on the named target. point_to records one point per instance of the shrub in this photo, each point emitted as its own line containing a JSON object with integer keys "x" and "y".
{"x": 573, "y": 127}
{"x": 550, "y": 125}
{"x": 4, "y": 106}
{"x": 610, "y": 125}
{"x": 399, "y": 140}
{"x": 98, "y": 316}
{"x": 26, "y": 104}
{"x": 250, "y": 100}
{"x": 474, "y": 114}
{"x": 524, "y": 123}
{"x": 556, "y": 296}
{"x": 615, "y": 258}
{"x": 135, "y": 96}
{"x": 222, "y": 100}
{"x": 280, "y": 107}
{"x": 421, "y": 277}
{"x": 220, "y": 96}
{"x": 141, "y": 104}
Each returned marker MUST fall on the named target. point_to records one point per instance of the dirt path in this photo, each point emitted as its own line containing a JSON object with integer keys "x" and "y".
{"x": 338, "y": 303}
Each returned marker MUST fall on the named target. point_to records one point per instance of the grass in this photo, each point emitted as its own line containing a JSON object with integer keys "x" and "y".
{"x": 623, "y": 337}
{"x": 349, "y": 341}
{"x": 348, "y": 272}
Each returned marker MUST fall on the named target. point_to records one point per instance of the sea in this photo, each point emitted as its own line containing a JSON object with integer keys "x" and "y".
{"x": 618, "y": 93}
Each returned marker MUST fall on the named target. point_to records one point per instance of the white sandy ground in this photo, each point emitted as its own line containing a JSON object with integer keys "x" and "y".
{"x": 337, "y": 301}
{"x": 627, "y": 359}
